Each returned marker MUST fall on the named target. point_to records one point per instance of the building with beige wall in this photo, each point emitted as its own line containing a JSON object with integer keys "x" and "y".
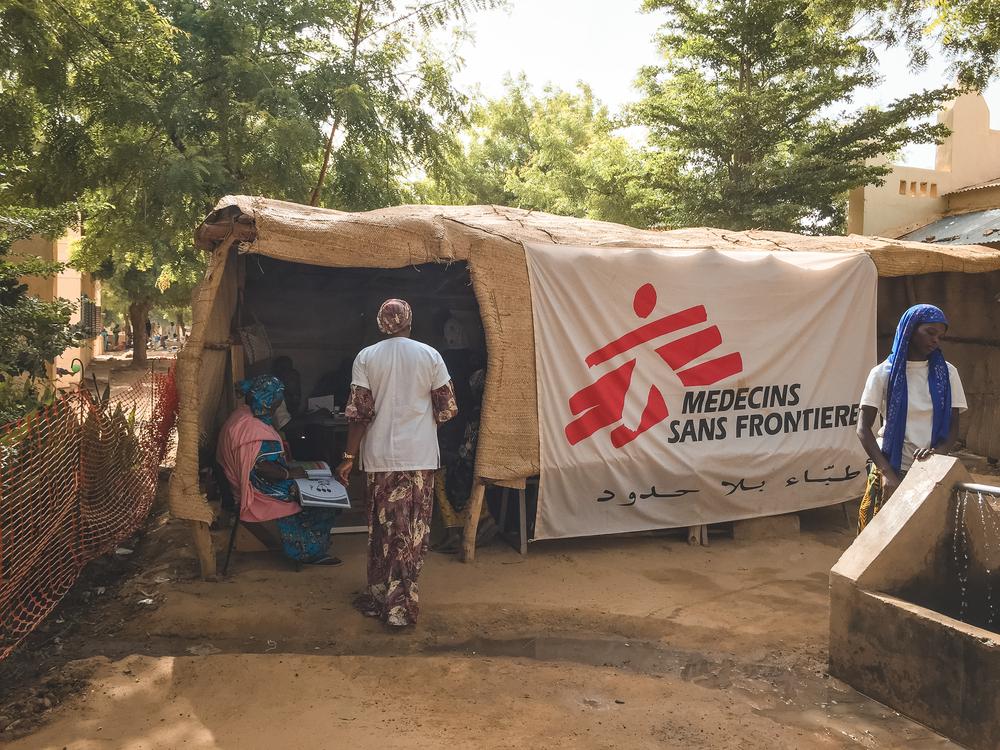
{"x": 965, "y": 182}
{"x": 71, "y": 284}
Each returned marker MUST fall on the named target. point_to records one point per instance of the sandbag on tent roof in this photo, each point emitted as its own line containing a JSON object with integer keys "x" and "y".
{"x": 489, "y": 239}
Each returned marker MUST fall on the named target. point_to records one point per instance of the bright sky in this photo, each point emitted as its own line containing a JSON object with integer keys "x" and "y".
{"x": 566, "y": 41}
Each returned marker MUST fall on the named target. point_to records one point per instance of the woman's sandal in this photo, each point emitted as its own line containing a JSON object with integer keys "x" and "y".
{"x": 327, "y": 560}
{"x": 450, "y": 545}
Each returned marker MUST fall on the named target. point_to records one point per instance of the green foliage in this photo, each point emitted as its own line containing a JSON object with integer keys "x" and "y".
{"x": 388, "y": 95}
{"x": 32, "y": 331}
{"x": 744, "y": 116}
{"x": 557, "y": 153}
{"x": 967, "y": 32}
{"x": 156, "y": 109}
{"x": 20, "y": 396}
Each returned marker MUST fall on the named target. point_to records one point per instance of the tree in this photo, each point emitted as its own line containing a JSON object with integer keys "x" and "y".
{"x": 81, "y": 80}
{"x": 967, "y": 32}
{"x": 388, "y": 97}
{"x": 172, "y": 104}
{"x": 557, "y": 153}
{"x": 745, "y": 116}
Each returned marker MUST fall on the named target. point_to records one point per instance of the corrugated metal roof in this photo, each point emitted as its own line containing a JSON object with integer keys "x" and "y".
{"x": 974, "y": 228}
{"x": 977, "y": 186}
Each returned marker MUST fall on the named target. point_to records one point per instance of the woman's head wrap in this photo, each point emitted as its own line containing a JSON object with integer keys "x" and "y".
{"x": 262, "y": 393}
{"x": 394, "y": 316}
{"x": 895, "y": 393}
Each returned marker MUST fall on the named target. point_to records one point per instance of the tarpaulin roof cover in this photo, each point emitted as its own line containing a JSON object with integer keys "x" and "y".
{"x": 962, "y": 229}
{"x": 415, "y": 234}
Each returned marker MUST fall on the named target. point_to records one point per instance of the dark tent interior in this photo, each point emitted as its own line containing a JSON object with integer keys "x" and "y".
{"x": 307, "y": 323}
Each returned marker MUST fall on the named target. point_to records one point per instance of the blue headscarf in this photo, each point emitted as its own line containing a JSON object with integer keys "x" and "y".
{"x": 262, "y": 392}
{"x": 896, "y": 397}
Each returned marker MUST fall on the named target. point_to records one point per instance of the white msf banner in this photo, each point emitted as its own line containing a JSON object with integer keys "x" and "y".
{"x": 684, "y": 387}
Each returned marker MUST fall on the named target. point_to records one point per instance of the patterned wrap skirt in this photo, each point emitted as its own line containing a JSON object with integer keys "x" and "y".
{"x": 400, "y": 504}
{"x": 305, "y": 536}
{"x": 874, "y": 497}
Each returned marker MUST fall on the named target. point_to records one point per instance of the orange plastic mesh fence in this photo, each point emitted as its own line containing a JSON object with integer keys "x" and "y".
{"x": 76, "y": 478}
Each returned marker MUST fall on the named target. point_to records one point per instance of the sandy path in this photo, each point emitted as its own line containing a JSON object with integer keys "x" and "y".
{"x": 719, "y": 647}
{"x": 290, "y": 701}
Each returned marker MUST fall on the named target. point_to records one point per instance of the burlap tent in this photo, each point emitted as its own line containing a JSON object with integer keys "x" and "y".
{"x": 489, "y": 240}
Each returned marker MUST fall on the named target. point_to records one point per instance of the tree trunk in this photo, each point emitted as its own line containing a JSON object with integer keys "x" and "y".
{"x": 138, "y": 312}
{"x": 181, "y": 330}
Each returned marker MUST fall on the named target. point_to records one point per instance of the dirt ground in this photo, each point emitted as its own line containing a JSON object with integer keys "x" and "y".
{"x": 626, "y": 642}
{"x": 118, "y": 368}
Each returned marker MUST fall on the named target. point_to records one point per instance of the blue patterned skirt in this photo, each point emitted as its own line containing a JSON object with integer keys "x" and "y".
{"x": 305, "y": 536}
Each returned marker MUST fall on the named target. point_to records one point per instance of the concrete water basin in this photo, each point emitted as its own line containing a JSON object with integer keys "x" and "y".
{"x": 897, "y": 593}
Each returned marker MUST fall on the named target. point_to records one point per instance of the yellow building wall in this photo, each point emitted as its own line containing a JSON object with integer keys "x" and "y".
{"x": 972, "y": 153}
{"x": 913, "y": 197}
{"x": 910, "y": 197}
{"x": 38, "y": 247}
{"x": 69, "y": 284}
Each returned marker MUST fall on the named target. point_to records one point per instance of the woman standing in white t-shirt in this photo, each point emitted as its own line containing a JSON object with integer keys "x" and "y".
{"x": 400, "y": 392}
{"x": 920, "y": 397}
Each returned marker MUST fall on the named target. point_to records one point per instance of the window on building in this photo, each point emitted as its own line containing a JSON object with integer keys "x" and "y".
{"x": 923, "y": 189}
{"x": 90, "y": 317}
{"x": 934, "y": 190}
{"x": 902, "y": 187}
{"x": 913, "y": 188}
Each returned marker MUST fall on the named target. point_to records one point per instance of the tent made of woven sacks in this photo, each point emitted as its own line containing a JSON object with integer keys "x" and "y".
{"x": 489, "y": 239}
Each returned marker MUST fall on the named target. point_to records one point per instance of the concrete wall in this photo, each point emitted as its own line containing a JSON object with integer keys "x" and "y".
{"x": 937, "y": 670}
{"x": 918, "y": 663}
{"x": 910, "y": 197}
{"x": 972, "y": 153}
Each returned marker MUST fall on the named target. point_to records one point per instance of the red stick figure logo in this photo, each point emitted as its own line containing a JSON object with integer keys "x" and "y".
{"x": 602, "y": 403}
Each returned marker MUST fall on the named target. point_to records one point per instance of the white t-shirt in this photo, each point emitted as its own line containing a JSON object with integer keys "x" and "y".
{"x": 400, "y": 373}
{"x": 919, "y": 407}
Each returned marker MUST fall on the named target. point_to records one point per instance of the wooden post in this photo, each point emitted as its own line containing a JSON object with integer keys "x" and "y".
{"x": 698, "y": 535}
{"x": 238, "y": 363}
{"x": 205, "y": 549}
{"x": 472, "y": 521}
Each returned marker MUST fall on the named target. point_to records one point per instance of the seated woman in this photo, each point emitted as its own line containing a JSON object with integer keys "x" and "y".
{"x": 253, "y": 458}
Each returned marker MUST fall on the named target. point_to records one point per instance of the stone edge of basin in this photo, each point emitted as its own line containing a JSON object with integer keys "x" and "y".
{"x": 939, "y": 671}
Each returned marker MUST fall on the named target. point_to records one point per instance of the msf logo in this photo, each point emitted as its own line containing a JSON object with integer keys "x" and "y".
{"x": 601, "y": 403}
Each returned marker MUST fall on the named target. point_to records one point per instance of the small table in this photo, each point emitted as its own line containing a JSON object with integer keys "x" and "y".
{"x": 318, "y": 436}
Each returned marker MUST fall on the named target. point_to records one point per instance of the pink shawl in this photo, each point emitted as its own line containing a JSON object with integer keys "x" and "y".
{"x": 239, "y": 444}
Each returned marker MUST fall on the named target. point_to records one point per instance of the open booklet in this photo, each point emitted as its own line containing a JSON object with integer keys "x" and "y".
{"x": 313, "y": 469}
{"x": 319, "y": 489}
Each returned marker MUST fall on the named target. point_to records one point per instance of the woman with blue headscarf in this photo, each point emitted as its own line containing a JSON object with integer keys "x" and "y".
{"x": 919, "y": 396}
{"x": 252, "y": 455}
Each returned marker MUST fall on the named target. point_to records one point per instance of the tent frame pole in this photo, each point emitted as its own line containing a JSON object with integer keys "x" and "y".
{"x": 472, "y": 521}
